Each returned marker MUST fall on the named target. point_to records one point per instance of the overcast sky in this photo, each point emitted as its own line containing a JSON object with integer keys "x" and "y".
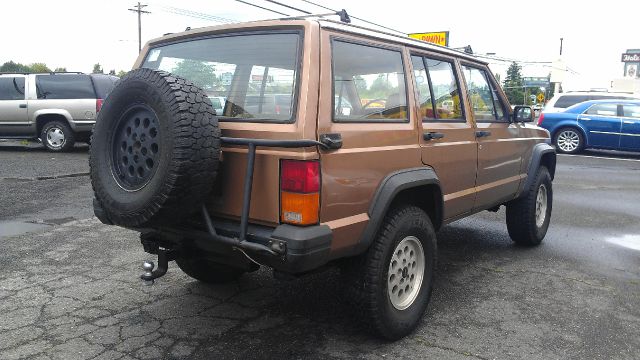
{"x": 77, "y": 34}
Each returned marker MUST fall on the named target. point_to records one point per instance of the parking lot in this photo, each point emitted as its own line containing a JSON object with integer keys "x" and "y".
{"x": 70, "y": 287}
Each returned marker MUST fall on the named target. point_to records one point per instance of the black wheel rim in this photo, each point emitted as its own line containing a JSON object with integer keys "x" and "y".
{"x": 135, "y": 151}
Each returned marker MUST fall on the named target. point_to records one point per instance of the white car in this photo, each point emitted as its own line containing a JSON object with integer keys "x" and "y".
{"x": 564, "y": 100}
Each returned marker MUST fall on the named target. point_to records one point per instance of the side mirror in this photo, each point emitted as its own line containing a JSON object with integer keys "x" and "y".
{"x": 523, "y": 114}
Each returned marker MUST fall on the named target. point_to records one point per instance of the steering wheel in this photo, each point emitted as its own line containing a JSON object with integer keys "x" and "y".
{"x": 372, "y": 102}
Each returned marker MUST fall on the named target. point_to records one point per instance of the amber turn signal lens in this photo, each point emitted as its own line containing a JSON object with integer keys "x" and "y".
{"x": 299, "y": 209}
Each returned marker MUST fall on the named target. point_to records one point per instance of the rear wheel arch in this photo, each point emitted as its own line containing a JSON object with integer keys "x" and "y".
{"x": 417, "y": 186}
{"x": 42, "y": 119}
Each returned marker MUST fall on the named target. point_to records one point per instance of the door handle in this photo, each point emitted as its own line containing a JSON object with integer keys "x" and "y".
{"x": 22, "y": 106}
{"x": 483, "y": 133}
{"x": 432, "y": 135}
{"x": 628, "y": 122}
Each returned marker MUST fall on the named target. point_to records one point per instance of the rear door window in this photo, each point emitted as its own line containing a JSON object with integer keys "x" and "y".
{"x": 64, "y": 86}
{"x": 437, "y": 88}
{"x": 603, "y": 110}
{"x": 372, "y": 81}
{"x": 632, "y": 111}
{"x": 11, "y": 88}
{"x": 250, "y": 71}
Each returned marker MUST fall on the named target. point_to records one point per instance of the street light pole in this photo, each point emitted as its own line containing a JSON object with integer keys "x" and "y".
{"x": 561, "y": 46}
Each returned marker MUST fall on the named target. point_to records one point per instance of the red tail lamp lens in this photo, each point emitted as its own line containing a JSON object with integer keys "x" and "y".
{"x": 300, "y": 176}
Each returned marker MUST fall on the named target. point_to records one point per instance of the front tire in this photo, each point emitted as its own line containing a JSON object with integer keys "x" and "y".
{"x": 569, "y": 140}
{"x": 57, "y": 136}
{"x": 208, "y": 271}
{"x": 391, "y": 283}
{"x": 528, "y": 217}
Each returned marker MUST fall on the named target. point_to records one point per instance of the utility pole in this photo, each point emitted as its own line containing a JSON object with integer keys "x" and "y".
{"x": 138, "y": 9}
{"x": 560, "y": 45}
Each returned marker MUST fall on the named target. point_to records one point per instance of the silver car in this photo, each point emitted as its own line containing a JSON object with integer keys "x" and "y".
{"x": 57, "y": 108}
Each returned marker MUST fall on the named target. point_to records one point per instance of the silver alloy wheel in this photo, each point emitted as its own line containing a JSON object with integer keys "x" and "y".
{"x": 541, "y": 205}
{"x": 568, "y": 140}
{"x": 406, "y": 271}
{"x": 55, "y": 137}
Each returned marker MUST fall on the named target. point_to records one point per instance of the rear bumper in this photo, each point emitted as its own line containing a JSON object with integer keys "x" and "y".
{"x": 306, "y": 248}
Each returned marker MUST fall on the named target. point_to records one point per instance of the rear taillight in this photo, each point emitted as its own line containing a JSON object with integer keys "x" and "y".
{"x": 299, "y": 192}
{"x": 540, "y": 119}
{"x": 99, "y": 104}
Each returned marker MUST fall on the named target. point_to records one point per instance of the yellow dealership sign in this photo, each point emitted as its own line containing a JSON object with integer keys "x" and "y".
{"x": 441, "y": 37}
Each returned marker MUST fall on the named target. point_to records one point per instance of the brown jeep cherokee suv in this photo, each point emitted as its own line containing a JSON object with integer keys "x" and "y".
{"x": 336, "y": 145}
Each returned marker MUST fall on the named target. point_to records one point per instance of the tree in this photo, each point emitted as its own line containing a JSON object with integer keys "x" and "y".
{"x": 97, "y": 69}
{"x": 10, "y": 66}
{"x": 198, "y": 72}
{"x": 39, "y": 68}
{"x": 60, "y": 69}
{"x": 513, "y": 84}
{"x": 121, "y": 73}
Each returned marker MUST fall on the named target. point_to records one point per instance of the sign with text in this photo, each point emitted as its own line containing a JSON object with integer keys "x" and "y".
{"x": 630, "y": 57}
{"x": 440, "y": 37}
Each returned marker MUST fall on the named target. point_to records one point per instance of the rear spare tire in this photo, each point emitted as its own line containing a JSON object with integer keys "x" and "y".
{"x": 154, "y": 149}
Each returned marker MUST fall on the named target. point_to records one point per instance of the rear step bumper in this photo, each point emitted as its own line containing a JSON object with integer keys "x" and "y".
{"x": 287, "y": 248}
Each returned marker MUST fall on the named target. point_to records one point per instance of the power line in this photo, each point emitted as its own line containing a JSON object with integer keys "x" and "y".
{"x": 357, "y": 18}
{"x": 288, "y": 6}
{"x": 138, "y": 9}
{"x": 195, "y": 14}
{"x": 263, "y": 8}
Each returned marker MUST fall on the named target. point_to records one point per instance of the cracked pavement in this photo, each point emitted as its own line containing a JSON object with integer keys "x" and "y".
{"x": 72, "y": 291}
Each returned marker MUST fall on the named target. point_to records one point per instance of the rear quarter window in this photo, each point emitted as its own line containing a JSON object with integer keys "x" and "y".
{"x": 64, "y": 87}
{"x": 103, "y": 85}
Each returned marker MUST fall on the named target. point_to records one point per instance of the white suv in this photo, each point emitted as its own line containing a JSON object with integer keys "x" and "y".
{"x": 58, "y": 108}
{"x": 564, "y": 100}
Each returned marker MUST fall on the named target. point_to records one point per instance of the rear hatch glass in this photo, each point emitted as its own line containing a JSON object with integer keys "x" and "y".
{"x": 256, "y": 73}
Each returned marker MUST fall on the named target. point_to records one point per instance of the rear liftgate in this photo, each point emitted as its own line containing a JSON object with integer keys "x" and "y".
{"x": 274, "y": 247}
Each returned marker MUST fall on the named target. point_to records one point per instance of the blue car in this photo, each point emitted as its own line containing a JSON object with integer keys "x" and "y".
{"x": 599, "y": 124}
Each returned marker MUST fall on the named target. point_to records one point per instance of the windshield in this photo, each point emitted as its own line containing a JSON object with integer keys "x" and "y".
{"x": 255, "y": 73}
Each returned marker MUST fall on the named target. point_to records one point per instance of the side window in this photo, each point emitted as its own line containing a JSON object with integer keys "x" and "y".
{"x": 632, "y": 111}
{"x": 570, "y": 100}
{"x": 481, "y": 95}
{"x": 422, "y": 88}
{"x": 368, "y": 83}
{"x": 603, "y": 110}
{"x": 446, "y": 95}
{"x": 64, "y": 87}
{"x": 11, "y": 88}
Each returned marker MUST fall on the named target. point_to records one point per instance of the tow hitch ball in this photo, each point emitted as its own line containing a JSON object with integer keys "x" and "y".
{"x": 164, "y": 256}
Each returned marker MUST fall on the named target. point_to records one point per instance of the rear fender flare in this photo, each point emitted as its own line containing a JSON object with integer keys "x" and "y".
{"x": 386, "y": 193}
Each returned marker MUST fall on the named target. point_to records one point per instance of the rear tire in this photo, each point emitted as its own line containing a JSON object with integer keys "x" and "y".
{"x": 391, "y": 283}
{"x": 208, "y": 271}
{"x": 528, "y": 217}
{"x": 569, "y": 140}
{"x": 57, "y": 136}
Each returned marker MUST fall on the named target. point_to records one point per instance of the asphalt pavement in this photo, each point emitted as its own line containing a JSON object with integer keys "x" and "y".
{"x": 69, "y": 289}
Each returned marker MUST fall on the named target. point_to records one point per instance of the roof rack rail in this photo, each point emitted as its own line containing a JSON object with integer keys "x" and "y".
{"x": 344, "y": 17}
{"x": 39, "y": 73}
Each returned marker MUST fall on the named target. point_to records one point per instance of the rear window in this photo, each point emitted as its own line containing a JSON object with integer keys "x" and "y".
{"x": 263, "y": 69}
{"x": 64, "y": 87}
{"x": 104, "y": 84}
{"x": 11, "y": 88}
